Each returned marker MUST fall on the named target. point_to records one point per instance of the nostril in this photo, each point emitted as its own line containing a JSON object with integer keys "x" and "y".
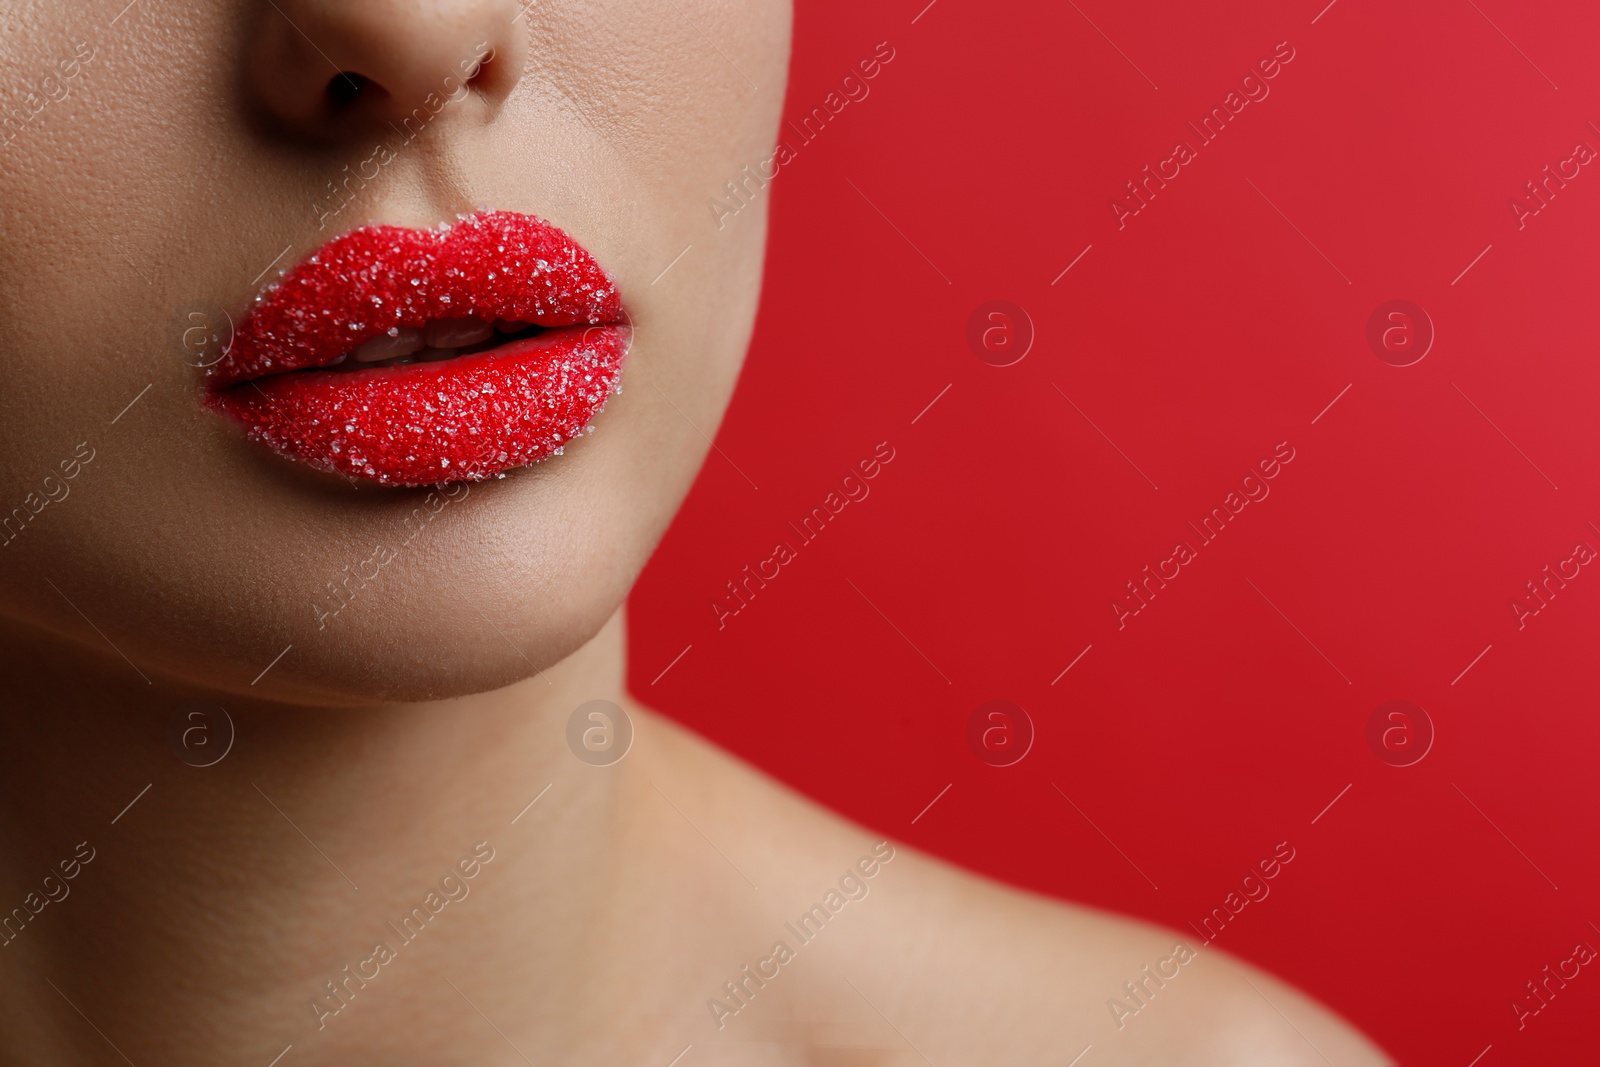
{"x": 345, "y": 89}
{"x": 481, "y": 76}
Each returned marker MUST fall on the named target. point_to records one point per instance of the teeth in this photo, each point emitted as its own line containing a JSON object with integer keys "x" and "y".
{"x": 399, "y": 341}
{"x": 456, "y": 333}
{"x": 431, "y": 343}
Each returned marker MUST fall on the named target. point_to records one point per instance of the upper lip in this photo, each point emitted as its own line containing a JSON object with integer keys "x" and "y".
{"x": 492, "y": 265}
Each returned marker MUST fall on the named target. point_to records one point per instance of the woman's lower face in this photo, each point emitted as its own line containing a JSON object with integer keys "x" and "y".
{"x": 387, "y": 334}
{"x": 356, "y": 355}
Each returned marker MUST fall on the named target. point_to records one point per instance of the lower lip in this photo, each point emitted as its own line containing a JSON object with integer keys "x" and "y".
{"x": 462, "y": 419}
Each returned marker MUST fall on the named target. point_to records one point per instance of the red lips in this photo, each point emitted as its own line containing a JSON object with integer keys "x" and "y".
{"x": 506, "y": 402}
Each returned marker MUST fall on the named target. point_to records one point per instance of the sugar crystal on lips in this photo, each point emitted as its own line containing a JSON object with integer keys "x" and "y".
{"x": 383, "y": 293}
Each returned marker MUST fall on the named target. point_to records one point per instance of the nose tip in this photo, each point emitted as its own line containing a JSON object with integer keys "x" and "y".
{"x": 328, "y": 69}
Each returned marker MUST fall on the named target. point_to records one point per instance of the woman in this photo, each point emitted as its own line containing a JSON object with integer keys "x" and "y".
{"x": 311, "y": 310}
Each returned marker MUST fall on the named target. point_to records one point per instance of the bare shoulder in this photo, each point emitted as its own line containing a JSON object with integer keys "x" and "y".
{"x": 968, "y": 971}
{"x": 986, "y": 968}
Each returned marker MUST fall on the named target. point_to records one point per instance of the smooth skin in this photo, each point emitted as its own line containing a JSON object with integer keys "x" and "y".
{"x": 193, "y": 143}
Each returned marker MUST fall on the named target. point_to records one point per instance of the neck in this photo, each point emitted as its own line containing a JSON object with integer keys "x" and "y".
{"x": 220, "y": 913}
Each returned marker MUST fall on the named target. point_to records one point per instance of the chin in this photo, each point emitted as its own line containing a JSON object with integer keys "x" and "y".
{"x": 416, "y": 643}
{"x": 379, "y": 596}
{"x": 509, "y": 578}
{"x": 413, "y": 668}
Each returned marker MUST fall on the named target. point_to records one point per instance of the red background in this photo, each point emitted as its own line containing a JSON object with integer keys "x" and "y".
{"x": 1209, "y": 329}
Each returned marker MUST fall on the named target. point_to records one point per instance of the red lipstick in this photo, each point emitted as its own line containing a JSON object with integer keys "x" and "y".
{"x": 410, "y": 357}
